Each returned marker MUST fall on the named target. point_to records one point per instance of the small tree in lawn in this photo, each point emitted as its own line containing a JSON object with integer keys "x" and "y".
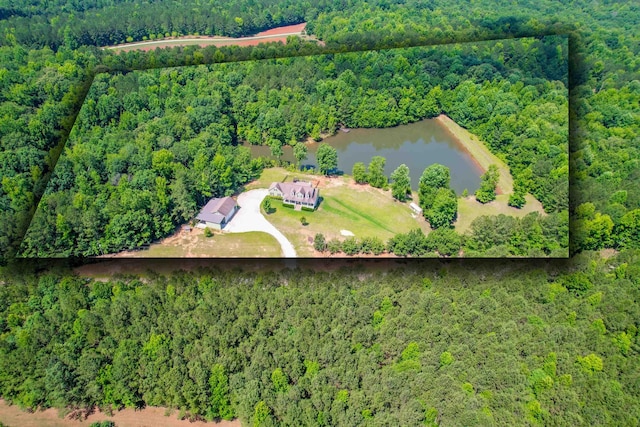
{"x": 401, "y": 185}
{"x": 434, "y": 177}
{"x": 488, "y": 183}
{"x": 375, "y": 174}
{"x": 327, "y": 158}
{"x": 444, "y": 210}
{"x": 266, "y": 205}
{"x": 303, "y": 221}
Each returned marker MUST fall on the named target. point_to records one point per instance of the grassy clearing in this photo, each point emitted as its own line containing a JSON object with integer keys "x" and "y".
{"x": 220, "y": 245}
{"x": 479, "y": 152}
{"x": 469, "y": 209}
{"x": 271, "y": 175}
{"x": 360, "y": 209}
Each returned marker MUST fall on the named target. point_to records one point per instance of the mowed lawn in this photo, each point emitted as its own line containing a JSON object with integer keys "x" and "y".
{"x": 220, "y": 245}
{"x": 469, "y": 209}
{"x": 360, "y": 209}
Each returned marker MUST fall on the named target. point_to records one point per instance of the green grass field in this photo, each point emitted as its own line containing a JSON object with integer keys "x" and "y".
{"x": 220, "y": 245}
{"x": 469, "y": 209}
{"x": 360, "y": 209}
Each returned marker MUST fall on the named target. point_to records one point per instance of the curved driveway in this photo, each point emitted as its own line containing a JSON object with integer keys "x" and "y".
{"x": 249, "y": 218}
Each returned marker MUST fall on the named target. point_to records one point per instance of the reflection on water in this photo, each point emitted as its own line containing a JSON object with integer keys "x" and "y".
{"x": 417, "y": 145}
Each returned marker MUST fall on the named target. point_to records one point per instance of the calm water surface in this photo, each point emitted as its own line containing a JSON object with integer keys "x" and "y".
{"x": 417, "y": 145}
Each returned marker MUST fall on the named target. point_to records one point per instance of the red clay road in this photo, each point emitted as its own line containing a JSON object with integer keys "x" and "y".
{"x": 278, "y": 34}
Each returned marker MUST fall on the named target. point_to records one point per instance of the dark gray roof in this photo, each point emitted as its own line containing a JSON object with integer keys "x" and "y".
{"x": 216, "y": 209}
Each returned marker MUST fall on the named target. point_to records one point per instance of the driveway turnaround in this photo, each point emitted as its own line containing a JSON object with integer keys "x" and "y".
{"x": 249, "y": 218}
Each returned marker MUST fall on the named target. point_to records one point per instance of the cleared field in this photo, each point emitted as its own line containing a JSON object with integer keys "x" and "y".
{"x": 278, "y": 34}
{"x": 149, "y": 416}
{"x": 195, "y": 244}
{"x": 359, "y": 209}
{"x": 469, "y": 209}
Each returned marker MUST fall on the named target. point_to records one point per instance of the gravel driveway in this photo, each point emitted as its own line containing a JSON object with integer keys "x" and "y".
{"x": 249, "y": 218}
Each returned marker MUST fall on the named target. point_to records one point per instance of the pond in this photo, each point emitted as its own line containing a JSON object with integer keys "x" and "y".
{"x": 417, "y": 145}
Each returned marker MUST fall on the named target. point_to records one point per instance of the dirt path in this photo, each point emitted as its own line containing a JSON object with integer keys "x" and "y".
{"x": 480, "y": 153}
{"x": 272, "y": 35}
{"x": 249, "y": 218}
{"x": 13, "y": 416}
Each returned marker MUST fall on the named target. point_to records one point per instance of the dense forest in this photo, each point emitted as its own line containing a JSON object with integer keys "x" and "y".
{"x": 530, "y": 343}
{"x": 439, "y": 343}
{"x": 136, "y": 165}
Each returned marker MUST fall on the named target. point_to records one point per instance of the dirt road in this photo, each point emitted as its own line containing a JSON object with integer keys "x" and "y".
{"x": 272, "y": 35}
{"x": 249, "y": 218}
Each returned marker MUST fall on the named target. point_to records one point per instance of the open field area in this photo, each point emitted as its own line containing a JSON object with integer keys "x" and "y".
{"x": 360, "y": 209}
{"x": 278, "y": 34}
{"x": 469, "y": 209}
{"x": 11, "y": 415}
{"x": 195, "y": 244}
{"x": 480, "y": 153}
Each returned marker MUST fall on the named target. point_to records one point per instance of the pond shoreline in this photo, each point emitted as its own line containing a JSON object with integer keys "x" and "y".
{"x": 479, "y": 152}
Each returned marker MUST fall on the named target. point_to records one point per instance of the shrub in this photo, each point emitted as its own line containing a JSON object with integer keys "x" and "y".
{"x": 208, "y": 232}
{"x": 350, "y": 246}
{"x": 319, "y": 243}
{"x": 334, "y": 246}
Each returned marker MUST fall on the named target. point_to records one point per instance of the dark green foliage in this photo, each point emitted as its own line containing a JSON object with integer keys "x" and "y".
{"x": 375, "y": 172}
{"x": 401, "y": 183}
{"x": 267, "y": 206}
{"x": 327, "y": 157}
{"x": 334, "y": 246}
{"x": 444, "y": 210}
{"x": 263, "y": 346}
{"x": 319, "y": 243}
{"x": 488, "y": 182}
{"x": 359, "y": 173}
{"x": 300, "y": 152}
{"x": 434, "y": 177}
{"x": 103, "y": 424}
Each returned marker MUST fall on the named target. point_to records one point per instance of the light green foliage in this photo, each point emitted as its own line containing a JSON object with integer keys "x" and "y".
{"x": 261, "y": 414}
{"x": 327, "y": 157}
{"x": 595, "y": 298}
{"x": 279, "y": 380}
{"x": 468, "y": 388}
{"x": 400, "y": 183}
{"x": 311, "y": 368}
{"x": 488, "y": 182}
{"x": 444, "y": 210}
{"x": 342, "y": 396}
{"x": 359, "y": 173}
{"x": 300, "y": 152}
{"x": 590, "y": 363}
{"x": 534, "y": 412}
{"x": 623, "y": 342}
{"x": 539, "y": 380}
{"x": 220, "y": 405}
{"x": 434, "y": 177}
{"x": 446, "y": 359}
{"x": 375, "y": 172}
